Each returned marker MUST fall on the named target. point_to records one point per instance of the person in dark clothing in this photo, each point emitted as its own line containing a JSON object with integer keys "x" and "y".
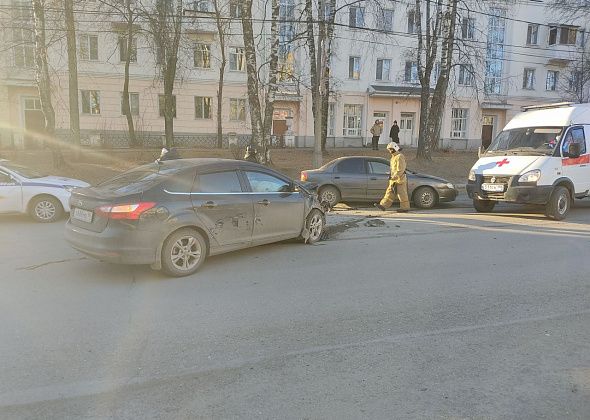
{"x": 394, "y": 132}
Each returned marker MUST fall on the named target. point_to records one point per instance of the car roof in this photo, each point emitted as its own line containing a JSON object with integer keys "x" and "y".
{"x": 209, "y": 164}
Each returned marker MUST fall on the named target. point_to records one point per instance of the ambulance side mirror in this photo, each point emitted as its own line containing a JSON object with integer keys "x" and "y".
{"x": 573, "y": 150}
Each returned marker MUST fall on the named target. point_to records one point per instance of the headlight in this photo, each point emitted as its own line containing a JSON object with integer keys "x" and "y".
{"x": 451, "y": 186}
{"x": 530, "y": 176}
{"x": 471, "y": 176}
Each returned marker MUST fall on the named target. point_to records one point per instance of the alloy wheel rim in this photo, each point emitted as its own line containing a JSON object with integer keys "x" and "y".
{"x": 186, "y": 253}
{"x": 315, "y": 227}
{"x": 45, "y": 210}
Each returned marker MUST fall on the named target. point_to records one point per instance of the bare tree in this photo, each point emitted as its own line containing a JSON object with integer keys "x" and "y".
{"x": 72, "y": 72}
{"x": 166, "y": 21}
{"x": 222, "y": 26}
{"x": 43, "y": 80}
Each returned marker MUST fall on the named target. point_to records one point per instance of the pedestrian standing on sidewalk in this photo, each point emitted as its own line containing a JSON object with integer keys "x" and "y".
{"x": 398, "y": 182}
{"x": 376, "y": 131}
{"x": 394, "y": 132}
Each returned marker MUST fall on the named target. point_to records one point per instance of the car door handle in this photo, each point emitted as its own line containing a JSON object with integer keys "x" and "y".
{"x": 373, "y": 178}
{"x": 336, "y": 177}
{"x": 264, "y": 202}
{"x": 209, "y": 204}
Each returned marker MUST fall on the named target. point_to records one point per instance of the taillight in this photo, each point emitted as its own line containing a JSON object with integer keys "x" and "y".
{"x": 303, "y": 176}
{"x": 125, "y": 211}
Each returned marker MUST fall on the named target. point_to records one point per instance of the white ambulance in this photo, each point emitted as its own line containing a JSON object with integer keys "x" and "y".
{"x": 541, "y": 157}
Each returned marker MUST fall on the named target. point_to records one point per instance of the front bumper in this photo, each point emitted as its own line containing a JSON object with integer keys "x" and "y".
{"x": 519, "y": 194}
{"x": 115, "y": 244}
{"x": 446, "y": 195}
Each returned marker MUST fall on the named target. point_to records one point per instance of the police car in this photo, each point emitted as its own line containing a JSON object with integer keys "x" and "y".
{"x": 24, "y": 190}
{"x": 541, "y": 157}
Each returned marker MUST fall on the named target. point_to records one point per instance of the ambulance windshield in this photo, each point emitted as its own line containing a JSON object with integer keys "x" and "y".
{"x": 537, "y": 140}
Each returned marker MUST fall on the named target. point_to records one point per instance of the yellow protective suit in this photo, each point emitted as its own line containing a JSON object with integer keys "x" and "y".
{"x": 398, "y": 183}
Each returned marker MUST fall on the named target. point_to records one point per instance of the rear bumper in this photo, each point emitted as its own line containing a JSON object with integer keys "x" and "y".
{"x": 115, "y": 245}
{"x": 514, "y": 194}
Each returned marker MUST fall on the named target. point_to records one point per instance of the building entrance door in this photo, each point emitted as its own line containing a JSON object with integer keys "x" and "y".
{"x": 34, "y": 123}
{"x": 487, "y": 130}
{"x": 383, "y": 116}
{"x": 406, "y": 129}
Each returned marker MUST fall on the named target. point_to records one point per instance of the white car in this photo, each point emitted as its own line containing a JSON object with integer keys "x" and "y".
{"x": 24, "y": 190}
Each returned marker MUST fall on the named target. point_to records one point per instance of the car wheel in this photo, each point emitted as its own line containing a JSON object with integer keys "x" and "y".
{"x": 183, "y": 252}
{"x": 46, "y": 209}
{"x": 425, "y": 197}
{"x": 329, "y": 195}
{"x": 559, "y": 204}
{"x": 315, "y": 225}
{"x": 483, "y": 206}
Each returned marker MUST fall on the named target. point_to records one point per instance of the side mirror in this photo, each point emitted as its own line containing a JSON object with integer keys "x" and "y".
{"x": 574, "y": 150}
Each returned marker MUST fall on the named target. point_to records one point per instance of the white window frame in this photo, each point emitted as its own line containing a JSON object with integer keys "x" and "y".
{"x": 385, "y": 19}
{"x": 204, "y": 106}
{"x": 413, "y": 72}
{"x": 467, "y": 28}
{"x": 551, "y": 80}
{"x": 356, "y": 17}
{"x": 466, "y": 75}
{"x": 459, "y": 122}
{"x": 23, "y": 39}
{"x": 236, "y": 107}
{"x": 352, "y": 120}
{"x": 86, "y": 102}
{"x": 411, "y": 22}
{"x": 123, "y": 49}
{"x": 161, "y": 105}
{"x": 528, "y": 79}
{"x": 85, "y": 47}
{"x": 354, "y": 67}
{"x": 331, "y": 119}
{"x": 385, "y": 75}
{"x": 237, "y": 59}
{"x": 133, "y": 103}
{"x": 532, "y": 34}
{"x": 204, "y": 51}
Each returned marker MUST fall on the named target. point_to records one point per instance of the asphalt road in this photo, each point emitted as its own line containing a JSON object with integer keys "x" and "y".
{"x": 442, "y": 314}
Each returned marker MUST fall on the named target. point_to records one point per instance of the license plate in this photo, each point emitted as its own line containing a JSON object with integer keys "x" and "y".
{"x": 83, "y": 215}
{"x": 493, "y": 187}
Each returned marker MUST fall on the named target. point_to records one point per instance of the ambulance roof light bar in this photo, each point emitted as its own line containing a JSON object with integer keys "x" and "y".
{"x": 547, "y": 106}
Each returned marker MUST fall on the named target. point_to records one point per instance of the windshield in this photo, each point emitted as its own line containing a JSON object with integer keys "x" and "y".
{"x": 530, "y": 139}
{"x": 23, "y": 170}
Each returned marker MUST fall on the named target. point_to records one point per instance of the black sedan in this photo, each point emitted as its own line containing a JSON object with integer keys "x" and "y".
{"x": 173, "y": 214}
{"x": 362, "y": 178}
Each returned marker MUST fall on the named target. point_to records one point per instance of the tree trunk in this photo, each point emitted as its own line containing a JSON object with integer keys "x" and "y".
{"x": 221, "y": 33}
{"x": 72, "y": 74}
{"x": 272, "y": 76}
{"x": 126, "y": 105}
{"x": 252, "y": 74}
{"x": 44, "y": 82}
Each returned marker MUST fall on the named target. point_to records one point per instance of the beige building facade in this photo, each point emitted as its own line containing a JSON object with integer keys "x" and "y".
{"x": 509, "y": 55}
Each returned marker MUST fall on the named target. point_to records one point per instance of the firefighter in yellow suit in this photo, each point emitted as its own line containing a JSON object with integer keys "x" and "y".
{"x": 398, "y": 182}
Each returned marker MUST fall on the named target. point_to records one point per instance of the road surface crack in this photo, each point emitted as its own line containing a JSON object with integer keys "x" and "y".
{"x": 35, "y": 267}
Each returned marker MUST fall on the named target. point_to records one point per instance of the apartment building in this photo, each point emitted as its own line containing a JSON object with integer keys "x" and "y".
{"x": 510, "y": 54}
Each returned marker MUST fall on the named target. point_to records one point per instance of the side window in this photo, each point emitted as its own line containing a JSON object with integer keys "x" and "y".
{"x": 351, "y": 166}
{"x": 219, "y": 182}
{"x": 575, "y": 135}
{"x": 261, "y": 182}
{"x": 379, "y": 168}
{"x": 5, "y": 179}
{"x": 181, "y": 182}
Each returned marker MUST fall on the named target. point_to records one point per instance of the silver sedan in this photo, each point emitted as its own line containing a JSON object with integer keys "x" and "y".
{"x": 362, "y": 178}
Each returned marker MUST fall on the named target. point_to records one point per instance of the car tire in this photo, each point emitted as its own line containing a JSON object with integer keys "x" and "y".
{"x": 559, "y": 204}
{"x": 425, "y": 197}
{"x": 329, "y": 195}
{"x": 46, "y": 209}
{"x": 183, "y": 252}
{"x": 315, "y": 224}
{"x": 483, "y": 206}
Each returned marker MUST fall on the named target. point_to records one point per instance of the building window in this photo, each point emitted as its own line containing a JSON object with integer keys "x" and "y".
{"x": 575, "y": 80}
{"x": 494, "y": 65}
{"x": 551, "y": 81}
{"x": 528, "y": 79}
{"x": 467, "y": 28}
{"x": 532, "y": 34}
{"x": 202, "y": 56}
{"x": 466, "y": 74}
{"x": 459, "y": 123}
{"x": 385, "y": 20}
{"x": 235, "y": 10}
{"x": 331, "y": 119}
{"x": 383, "y": 69}
{"x": 133, "y": 103}
{"x": 88, "y": 47}
{"x": 162, "y": 105}
{"x": 237, "y": 109}
{"x": 356, "y": 17}
{"x": 353, "y": 118}
{"x": 563, "y": 35}
{"x": 24, "y": 49}
{"x": 411, "y": 72}
{"x": 412, "y": 22}
{"x": 90, "y": 102}
{"x": 354, "y": 68}
{"x": 123, "y": 50}
{"x": 202, "y": 107}
{"x": 202, "y": 6}
{"x": 237, "y": 59}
